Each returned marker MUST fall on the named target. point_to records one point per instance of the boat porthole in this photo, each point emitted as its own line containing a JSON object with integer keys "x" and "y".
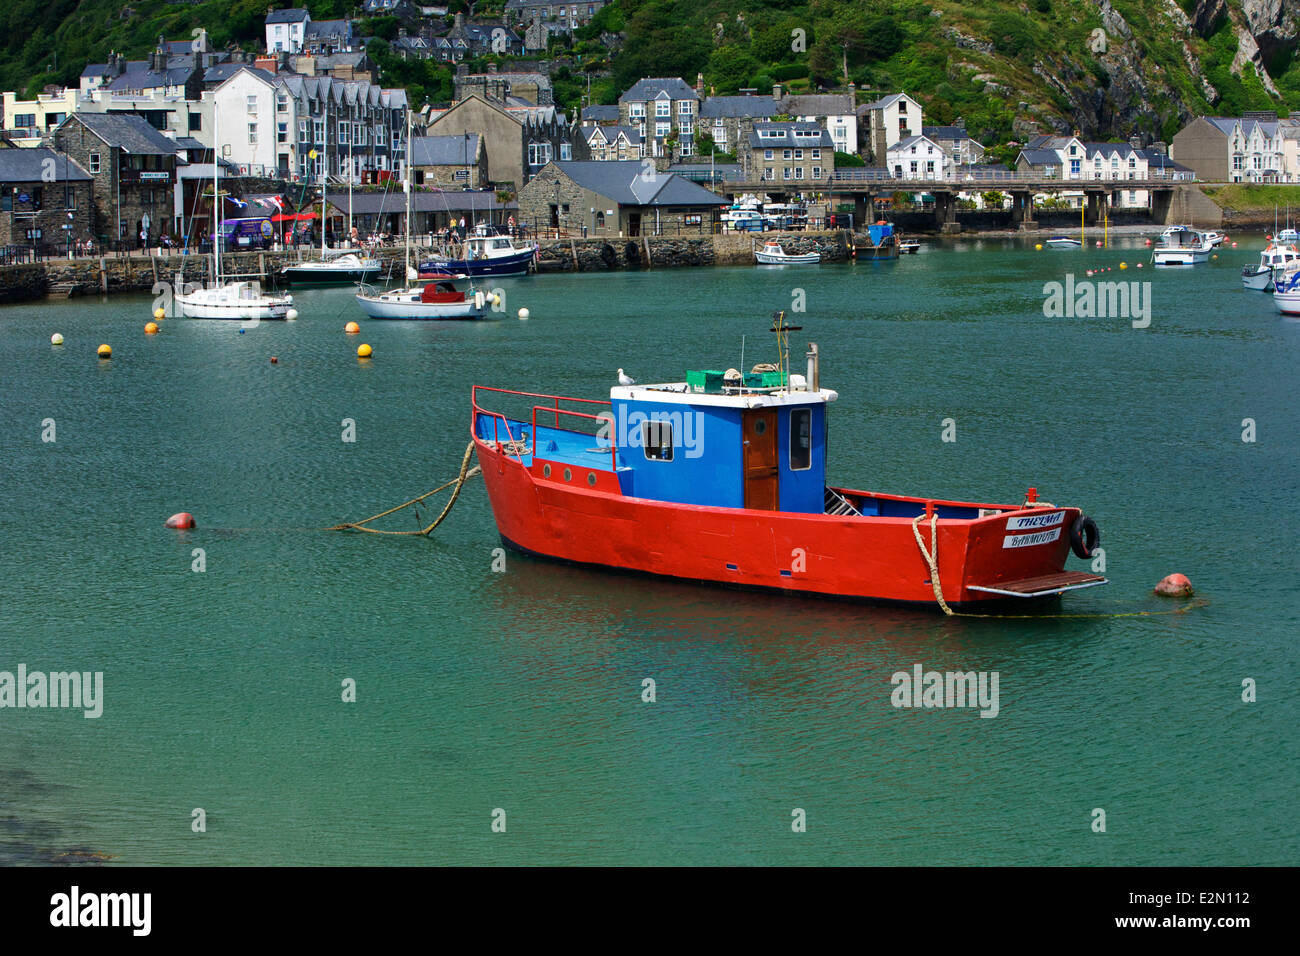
{"x": 760, "y": 426}
{"x": 591, "y": 478}
{"x": 546, "y": 471}
{"x": 568, "y": 475}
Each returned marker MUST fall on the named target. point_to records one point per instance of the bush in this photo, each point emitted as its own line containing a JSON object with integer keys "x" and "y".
{"x": 848, "y": 159}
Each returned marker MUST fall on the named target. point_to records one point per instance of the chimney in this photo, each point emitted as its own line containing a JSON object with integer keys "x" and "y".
{"x": 1135, "y": 140}
{"x": 776, "y": 92}
{"x": 699, "y": 83}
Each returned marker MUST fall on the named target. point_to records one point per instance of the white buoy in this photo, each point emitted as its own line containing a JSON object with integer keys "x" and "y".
{"x": 524, "y": 313}
{"x": 56, "y": 339}
{"x": 291, "y": 314}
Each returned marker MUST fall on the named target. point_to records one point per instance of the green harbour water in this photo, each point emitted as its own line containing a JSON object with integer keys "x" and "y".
{"x": 522, "y": 690}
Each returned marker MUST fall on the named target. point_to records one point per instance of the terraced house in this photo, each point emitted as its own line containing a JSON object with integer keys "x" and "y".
{"x": 789, "y": 153}
{"x": 665, "y": 110}
{"x": 291, "y": 126}
{"x": 1251, "y": 148}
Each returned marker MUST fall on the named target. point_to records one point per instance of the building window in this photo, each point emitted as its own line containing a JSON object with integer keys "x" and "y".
{"x": 282, "y": 132}
{"x": 785, "y": 172}
{"x": 798, "y": 154}
{"x": 686, "y": 108}
{"x": 566, "y": 152}
{"x": 318, "y": 129}
{"x": 252, "y": 103}
{"x": 600, "y": 219}
{"x": 767, "y": 154}
{"x": 302, "y": 131}
{"x": 282, "y": 104}
{"x": 769, "y": 173}
{"x": 24, "y": 120}
{"x": 539, "y": 154}
{"x": 663, "y": 108}
{"x": 816, "y": 172}
{"x": 785, "y": 153}
{"x": 816, "y": 154}
{"x": 636, "y": 110}
{"x": 252, "y": 133}
{"x": 798, "y": 172}
{"x": 800, "y": 439}
{"x": 657, "y": 440}
{"x": 343, "y": 132}
{"x": 94, "y": 163}
{"x": 662, "y": 130}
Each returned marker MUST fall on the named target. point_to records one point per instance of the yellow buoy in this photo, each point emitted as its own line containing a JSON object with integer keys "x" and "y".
{"x": 159, "y": 313}
{"x": 1038, "y": 246}
{"x": 104, "y": 351}
{"x": 351, "y": 328}
{"x": 56, "y": 339}
{"x": 151, "y": 328}
{"x": 1123, "y": 266}
{"x": 364, "y": 351}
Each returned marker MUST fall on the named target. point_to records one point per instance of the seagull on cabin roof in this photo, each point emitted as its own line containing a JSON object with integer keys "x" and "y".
{"x": 625, "y": 379}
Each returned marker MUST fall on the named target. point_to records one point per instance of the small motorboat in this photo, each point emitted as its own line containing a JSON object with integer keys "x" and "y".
{"x": 488, "y": 252}
{"x": 1213, "y": 238}
{"x": 1286, "y": 294}
{"x": 722, "y": 479}
{"x": 1278, "y": 260}
{"x": 346, "y": 269}
{"x": 1180, "y": 246}
{"x": 908, "y": 246}
{"x": 773, "y": 255}
{"x": 1064, "y": 242}
{"x": 1287, "y": 235}
{"x": 438, "y": 299}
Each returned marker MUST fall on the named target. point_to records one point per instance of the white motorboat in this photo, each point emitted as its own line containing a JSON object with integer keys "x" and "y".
{"x": 908, "y": 246}
{"x": 1064, "y": 242}
{"x": 1181, "y": 247}
{"x": 344, "y": 269}
{"x": 1213, "y": 238}
{"x": 230, "y": 297}
{"x": 1286, "y": 294}
{"x": 1278, "y": 261}
{"x": 1287, "y": 235}
{"x": 773, "y": 255}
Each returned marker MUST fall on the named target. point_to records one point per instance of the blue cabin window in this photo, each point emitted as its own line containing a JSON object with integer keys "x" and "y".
{"x": 800, "y": 439}
{"x": 657, "y": 440}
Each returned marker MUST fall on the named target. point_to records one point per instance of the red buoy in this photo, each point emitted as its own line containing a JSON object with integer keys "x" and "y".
{"x": 182, "y": 519}
{"x": 1175, "y": 585}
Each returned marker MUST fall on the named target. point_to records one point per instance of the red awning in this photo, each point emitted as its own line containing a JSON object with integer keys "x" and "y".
{"x": 291, "y": 217}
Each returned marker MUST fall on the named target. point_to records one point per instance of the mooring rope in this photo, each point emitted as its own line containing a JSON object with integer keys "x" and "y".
{"x": 932, "y": 559}
{"x": 466, "y": 473}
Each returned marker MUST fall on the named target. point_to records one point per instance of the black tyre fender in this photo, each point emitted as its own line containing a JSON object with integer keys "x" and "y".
{"x": 1085, "y": 537}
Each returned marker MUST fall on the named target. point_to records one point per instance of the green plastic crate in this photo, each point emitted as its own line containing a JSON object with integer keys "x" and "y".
{"x": 764, "y": 379}
{"x": 704, "y": 380}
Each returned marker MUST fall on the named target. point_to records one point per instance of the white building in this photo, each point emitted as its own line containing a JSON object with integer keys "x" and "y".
{"x": 27, "y": 121}
{"x": 286, "y": 30}
{"x": 919, "y": 157}
{"x": 887, "y": 121}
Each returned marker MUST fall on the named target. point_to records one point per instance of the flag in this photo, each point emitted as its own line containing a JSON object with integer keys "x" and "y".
{"x": 238, "y": 202}
{"x": 276, "y": 202}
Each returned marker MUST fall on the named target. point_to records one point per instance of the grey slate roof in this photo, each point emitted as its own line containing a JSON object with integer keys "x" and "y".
{"x": 138, "y": 76}
{"x": 945, "y": 133}
{"x": 883, "y": 102}
{"x": 817, "y": 104}
{"x": 292, "y": 15}
{"x": 610, "y": 133}
{"x": 444, "y": 150}
{"x": 441, "y": 200}
{"x": 28, "y": 166}
{"x": 128, "y": 131}
{"x": 648, "y": 89}
{"x": 787, "y": 140}
{"x": 738, "y": 106}
{"x": 622, "y": 182}
{"x": 601, "y": 114}
{"x": 223, "y": 71}
{"x": 1041, "y": 157}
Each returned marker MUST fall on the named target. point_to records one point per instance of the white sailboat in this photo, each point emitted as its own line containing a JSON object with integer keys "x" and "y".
{"x": 438, "y": 299}
{"x": 232, "y": 297}
{"x": 339, "y": 268}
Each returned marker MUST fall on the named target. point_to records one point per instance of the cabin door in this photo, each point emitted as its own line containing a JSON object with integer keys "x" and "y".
{"x": 761, "y": 475}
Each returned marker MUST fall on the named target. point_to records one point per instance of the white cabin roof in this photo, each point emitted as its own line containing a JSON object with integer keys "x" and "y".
{"x": 678, "y": 393}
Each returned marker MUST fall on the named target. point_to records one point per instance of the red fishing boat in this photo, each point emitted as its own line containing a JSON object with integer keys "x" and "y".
{"x": 721, "y": 479}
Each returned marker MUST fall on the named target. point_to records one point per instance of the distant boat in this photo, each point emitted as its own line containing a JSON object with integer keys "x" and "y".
{"x": 439, "y": 299}
{"x": 1180, "y": 246}
{"x": 1288, "y": 235}
{"x": 908, "y": 246}
{"x": 1278, "y": 260}
{"x": 773, "y": 255}
{"x": 347, "y": 269}
{"x": 486, "y": 253}
{"x": 1286, "y": 294}
{"x": 1064, "y": 242}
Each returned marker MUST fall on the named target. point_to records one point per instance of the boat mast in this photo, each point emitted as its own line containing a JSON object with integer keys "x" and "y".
{"x": 325, "y": 175}
{"x": 216, "y": 199}
{"x": 406, "y": 186}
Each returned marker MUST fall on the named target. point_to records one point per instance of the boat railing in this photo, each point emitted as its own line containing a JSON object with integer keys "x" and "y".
{"x": 603, "y": 419}
{"x": 554, "y": 409}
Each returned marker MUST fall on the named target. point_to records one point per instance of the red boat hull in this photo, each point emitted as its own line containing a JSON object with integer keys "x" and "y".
{"x": 586, "y": 520}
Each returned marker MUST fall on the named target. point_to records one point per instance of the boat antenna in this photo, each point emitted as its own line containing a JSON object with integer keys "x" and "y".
{"x": 783, "y": 331}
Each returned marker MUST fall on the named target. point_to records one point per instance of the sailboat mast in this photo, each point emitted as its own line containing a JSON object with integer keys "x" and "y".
{"x": 406, "y": 185}
{"x": 216, "y": 198}
{"x": 325, "y": 176}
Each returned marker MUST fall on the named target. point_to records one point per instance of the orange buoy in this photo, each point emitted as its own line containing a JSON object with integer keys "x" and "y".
{"x": 1175, "y": 585}
{"x": 352, "y": 328}
{"x": 274, "y": 360}
{"x": 151, "y": 328}
{"x": 182, "y": 519}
